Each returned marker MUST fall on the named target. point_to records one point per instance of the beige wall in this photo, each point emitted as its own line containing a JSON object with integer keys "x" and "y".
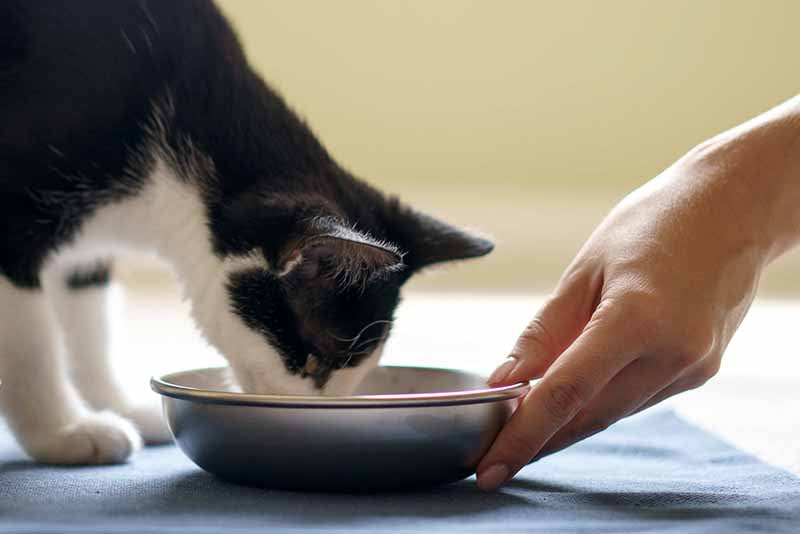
{"x": 521, "y": 91}
{"x": 512, "y": 100}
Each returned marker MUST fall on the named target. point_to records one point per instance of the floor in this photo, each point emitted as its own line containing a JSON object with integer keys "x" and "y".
{"x": 754, "y": 402}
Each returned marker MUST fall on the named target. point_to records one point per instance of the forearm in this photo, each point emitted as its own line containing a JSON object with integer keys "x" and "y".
{"x": 670, "y": 272}
{"x": 756, "y": 166}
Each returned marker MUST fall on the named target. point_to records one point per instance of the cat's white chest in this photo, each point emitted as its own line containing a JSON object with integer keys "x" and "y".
{"x": 164, "y": 213}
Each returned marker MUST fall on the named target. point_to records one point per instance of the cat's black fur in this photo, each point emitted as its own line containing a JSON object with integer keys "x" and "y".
{"x": 79, "y": 83}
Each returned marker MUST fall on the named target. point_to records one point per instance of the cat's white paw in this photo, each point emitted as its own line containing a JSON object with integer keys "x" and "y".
{"x": 97, "y": 438}
{"x": 149, "y": 420}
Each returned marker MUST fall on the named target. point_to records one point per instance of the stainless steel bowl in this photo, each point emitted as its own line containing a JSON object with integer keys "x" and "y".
{"x": 406, "y": 427}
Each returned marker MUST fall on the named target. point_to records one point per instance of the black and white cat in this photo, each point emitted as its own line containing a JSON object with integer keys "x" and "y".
{"x": 138, "y": 125}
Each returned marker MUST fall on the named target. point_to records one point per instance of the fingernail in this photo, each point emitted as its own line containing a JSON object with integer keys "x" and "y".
{"x": 503, "y": 371}
{"x": 493, "y": 477}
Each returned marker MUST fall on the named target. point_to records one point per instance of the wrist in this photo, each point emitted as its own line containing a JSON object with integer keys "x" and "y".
{"x": 753, "y": 170}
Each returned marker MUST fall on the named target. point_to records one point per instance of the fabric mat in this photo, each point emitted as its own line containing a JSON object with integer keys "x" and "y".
{"x": 651, "y": 473}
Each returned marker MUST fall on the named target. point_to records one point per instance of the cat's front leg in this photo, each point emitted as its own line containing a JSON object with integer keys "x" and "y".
{"x": 44, "y": 411}
{"x": 80, "y": 298}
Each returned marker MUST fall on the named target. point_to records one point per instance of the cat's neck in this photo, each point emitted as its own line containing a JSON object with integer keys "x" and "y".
{"x": 247, "y": 130}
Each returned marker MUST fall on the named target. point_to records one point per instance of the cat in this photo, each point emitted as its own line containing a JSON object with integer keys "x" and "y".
{"x": 138, "y": 125}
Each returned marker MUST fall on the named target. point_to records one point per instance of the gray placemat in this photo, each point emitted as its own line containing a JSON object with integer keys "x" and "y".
{"x": 651, "y": 473}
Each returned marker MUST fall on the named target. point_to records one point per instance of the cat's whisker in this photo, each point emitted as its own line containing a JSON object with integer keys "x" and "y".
{"x": 371, "y": 340}
{"x": 361, "y": 332}
{"x": 343, "y": 339}
{"x": 350, "y": 356}
{"x": 347, "y": 361}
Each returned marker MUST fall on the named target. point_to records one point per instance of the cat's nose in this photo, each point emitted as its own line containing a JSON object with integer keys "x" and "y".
{"x": 312, "y": 365}
{"x": 316, "y": 370}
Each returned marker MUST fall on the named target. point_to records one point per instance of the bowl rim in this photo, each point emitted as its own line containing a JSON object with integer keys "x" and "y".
{"x": 164, "y": 386}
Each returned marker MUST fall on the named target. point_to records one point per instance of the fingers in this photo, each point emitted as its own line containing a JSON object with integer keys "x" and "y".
{"x": 643, "y": 383}
{"x": 664, "y": 394}
{"x": 694, "y": 377}
{"x": 625, "y": 393}
{"x": 570, "y": 384}
{"x": 554, "y": 328}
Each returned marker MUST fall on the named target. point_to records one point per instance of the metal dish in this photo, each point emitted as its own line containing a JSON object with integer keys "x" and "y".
{"x": 406, "y": 427}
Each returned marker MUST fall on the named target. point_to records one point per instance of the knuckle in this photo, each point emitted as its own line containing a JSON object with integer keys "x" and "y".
{"x": 642, "y": 315}
{"x": 701, "y": 342}
{"x": 694, "y": 382}
{"x": 709, "y": 368}
{"x": 692, "y": 348}
{"x": 562, "y": 399}
{"x": 644, "y": 305}
{"x": 682, "y": 357}
{"x": 698, "y": 333}
{"x": 704, "y": 373}
{"x": 574, "y": 276}
{"x": 535, "y": 336}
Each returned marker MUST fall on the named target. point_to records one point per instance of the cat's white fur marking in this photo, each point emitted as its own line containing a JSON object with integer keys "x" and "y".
{"x": 84, "y": 317}
{"x": 167, "y": 217}
{"x": 40, "y": 404}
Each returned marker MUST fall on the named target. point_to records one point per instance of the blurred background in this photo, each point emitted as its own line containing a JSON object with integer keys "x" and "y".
{"x": 526, "y": 120}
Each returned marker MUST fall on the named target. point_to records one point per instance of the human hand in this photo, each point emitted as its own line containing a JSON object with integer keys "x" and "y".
{"x": 644, "y": 311}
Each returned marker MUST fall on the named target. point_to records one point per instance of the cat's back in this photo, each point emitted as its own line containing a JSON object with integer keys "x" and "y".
{"x": 78, "y": 85}
{"x": 72, "y": 68}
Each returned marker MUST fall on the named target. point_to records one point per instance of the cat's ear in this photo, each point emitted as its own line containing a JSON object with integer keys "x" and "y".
{"x": 331, "y": 253}
{"x": 427, "y": 240}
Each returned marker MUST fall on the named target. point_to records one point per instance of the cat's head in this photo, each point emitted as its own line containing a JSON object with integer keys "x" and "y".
{"x": 321, "y": 286}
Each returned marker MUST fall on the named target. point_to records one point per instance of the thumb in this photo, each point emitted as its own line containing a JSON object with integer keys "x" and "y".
{"x": 557, "y": 324}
